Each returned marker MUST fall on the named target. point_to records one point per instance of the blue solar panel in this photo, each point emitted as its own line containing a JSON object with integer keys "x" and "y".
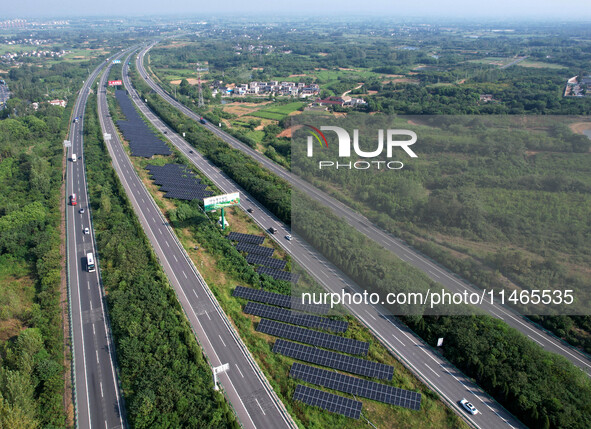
{"x": 295, "y": 317}
{"x": 353, "y": 365}
{"x": 316, "y": 338}
{"x": 328, "y": 401}
{"x": 356, "y": 386}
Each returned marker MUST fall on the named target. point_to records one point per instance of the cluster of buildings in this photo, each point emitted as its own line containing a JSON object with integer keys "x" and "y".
{"x": 578, "y": 86}
{"x": 13, "y": 56}
{"x": 343, "y": 101}
{"x": 294, "y": 89}
{"x": 34, "y": 42}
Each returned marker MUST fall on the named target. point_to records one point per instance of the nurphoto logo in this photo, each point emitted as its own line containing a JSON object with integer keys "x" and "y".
{"x": 386, "y": 140}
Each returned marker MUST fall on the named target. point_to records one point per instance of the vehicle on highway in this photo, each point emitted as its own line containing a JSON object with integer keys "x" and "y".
{"x": 203, "y": 121}
{"x": 74, "y": 157}
{"x": 468, "y": 406}
{"x": 288, "y": 237}
{"x": 191, "y": 151}
{"x": 165, "y": 132}
{"x": 272, "y": 230}
{"x": 86, "y": 230}
{"x": 73, "y": 199}
{"x": 90, "y": 262}
{"x": 249, "y": 210}
{"x": 82, "y": 210}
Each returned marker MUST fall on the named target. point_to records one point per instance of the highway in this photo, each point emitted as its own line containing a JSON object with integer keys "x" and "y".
{"x": 419, "y": 357}
{"x": 451, "y": 282}
{"x": 249, "y": 392}
{"x": 98, "y": 400}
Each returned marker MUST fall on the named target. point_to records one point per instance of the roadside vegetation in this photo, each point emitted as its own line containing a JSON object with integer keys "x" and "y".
{"x": 32, "y": 350}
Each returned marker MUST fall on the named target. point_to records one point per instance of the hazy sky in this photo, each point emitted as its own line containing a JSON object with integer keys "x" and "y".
{"x": 576, "y": 10}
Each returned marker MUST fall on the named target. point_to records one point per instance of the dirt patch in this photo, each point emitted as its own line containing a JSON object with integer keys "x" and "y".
{"x": 297, "y": 75}
{"x": 401, "y": 80}
{"x": 192, "y": 81}
{"x": 287, "y": 133}
{"x": 339, "y": 114}
{"x": 3, "y": 71}
{"x": 371, "y": 92}
{"x": 323, "y": 54}
{"x": 580, "y": 127}
{"x": 10, "y": 328}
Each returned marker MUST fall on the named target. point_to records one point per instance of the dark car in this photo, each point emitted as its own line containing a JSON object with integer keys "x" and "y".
{"x": 249, "y": 210}
{"x": 272, "y": 230}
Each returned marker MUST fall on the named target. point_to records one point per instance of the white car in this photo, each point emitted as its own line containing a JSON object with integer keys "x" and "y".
{"x": 468, "y": 406}
{"x": 288, "y": 237}
{"x": 86, "y": 230}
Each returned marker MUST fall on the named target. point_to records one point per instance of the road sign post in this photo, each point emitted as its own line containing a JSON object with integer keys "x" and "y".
{"x": 216, "y": 370}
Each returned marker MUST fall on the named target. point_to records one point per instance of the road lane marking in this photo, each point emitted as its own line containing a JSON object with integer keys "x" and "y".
{"x": 185, "y": 275}
{"x": 432, "y": 370}
{"x": 195, "y": 293}
{"x": 174, "y": 256}
{"x": 238, "y": 368}
{"x": 399, "y": 340}
{"x": 221, "y": 339}
{"x": 370, "y": 315}
{"x": 102, "y": 395}
{"x": 93, "y": 331}
{"x": 97, "y": 358}
{"x": 260, "y": 406}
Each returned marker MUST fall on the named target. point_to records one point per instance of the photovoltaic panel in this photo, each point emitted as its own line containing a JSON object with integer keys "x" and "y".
{"x": 246, "y": 238}
{"x": 356, "y": 386}
{"x": 334, "y": 360}
{"x": 279, "y": 275}
{"x": 294, "y": 317}
{"x": 278, "y": 299}
{"x": 328, "y": 401}
{"x": 178, "y": 182}
{"x": 308, "y": 336}
{"x": 142, "y": 140}
{"x": 254, "y": 249}
{"x": 266, "y": 261}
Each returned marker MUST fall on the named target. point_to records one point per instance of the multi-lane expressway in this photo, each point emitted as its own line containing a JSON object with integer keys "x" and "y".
{"x": 405, "y": 252}
{"x": 435, "y": 371}
{"x": 98, "y": 399}
{"x": 247, "y": 389}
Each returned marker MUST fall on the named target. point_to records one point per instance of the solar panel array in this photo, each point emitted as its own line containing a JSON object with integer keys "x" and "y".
{"x": 142, "y": 141}
{"x": 266, "y": 261}
{"x": 277, "y": 299}
{"x": 279, "y": 275}
{"x": 246, "y": 238}
{"x": 254, "y": 249}
{"x": 328, "y": 401}
{"x": 356, "y": 386}
{"x": 353, "y": 365}
{"x": 294, "y": 317}
{"x": 308, "y": 336}
{"x": 178, "y": 182}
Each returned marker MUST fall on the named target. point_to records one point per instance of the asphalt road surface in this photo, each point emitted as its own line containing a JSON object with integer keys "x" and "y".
{"x": 98, "y": 400}
{"x": 435, "y": 272}
{"x": 419, "y": 357}
{"x": 249, "y": 392}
